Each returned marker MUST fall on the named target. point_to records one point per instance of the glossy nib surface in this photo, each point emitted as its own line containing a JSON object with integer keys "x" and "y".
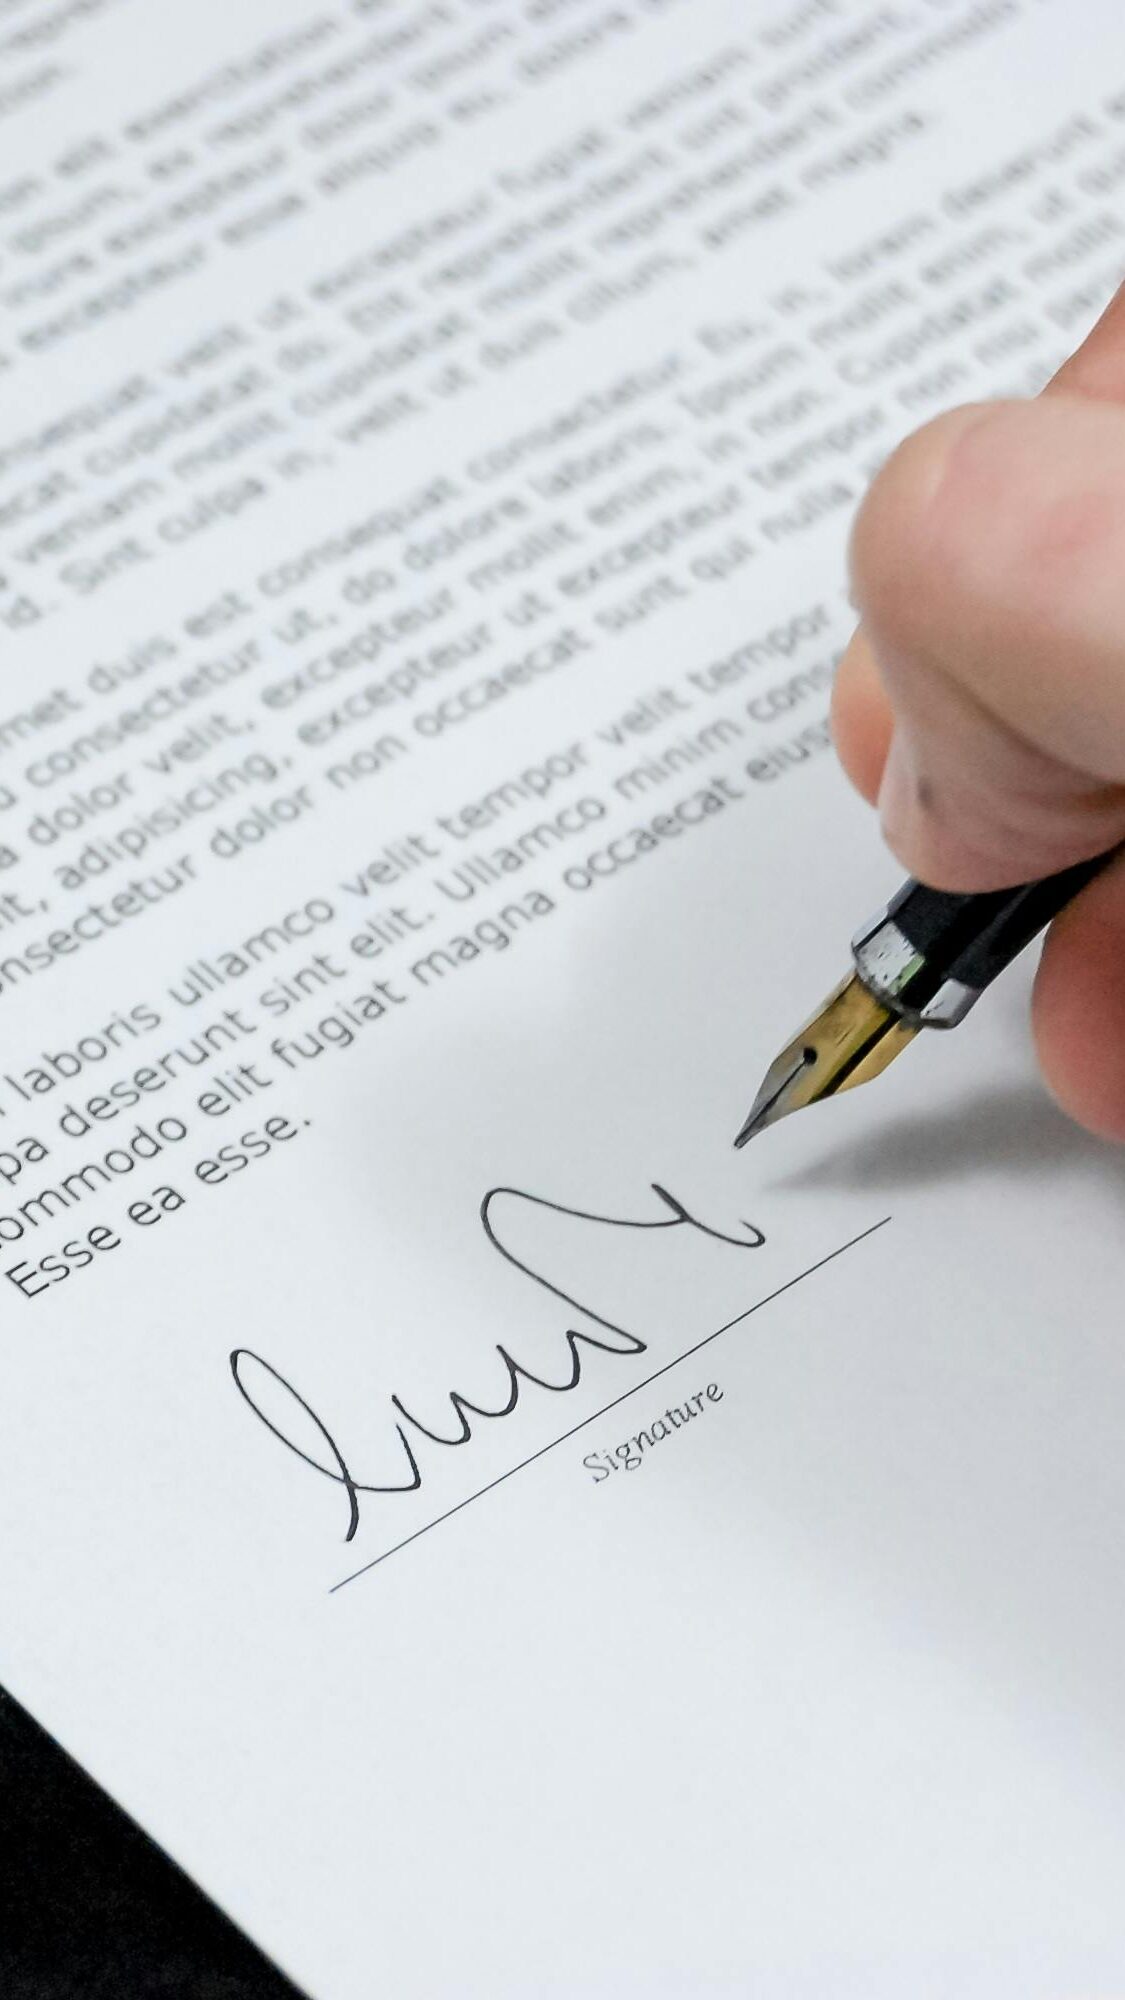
{"x": 851, "y": 1039}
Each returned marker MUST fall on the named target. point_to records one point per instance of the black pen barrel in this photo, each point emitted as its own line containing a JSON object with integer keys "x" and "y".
{"x": 974, "y": 937}
{"x": 932, "y": 952}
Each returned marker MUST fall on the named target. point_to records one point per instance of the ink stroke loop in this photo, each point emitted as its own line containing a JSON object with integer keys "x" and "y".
{"x": 290, "y": 1418}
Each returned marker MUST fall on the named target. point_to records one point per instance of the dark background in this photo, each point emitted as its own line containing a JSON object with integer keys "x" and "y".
{"x": 90, "y": 1908}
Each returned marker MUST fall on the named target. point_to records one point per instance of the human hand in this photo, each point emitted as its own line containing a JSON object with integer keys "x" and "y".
{"x": 982, "y": 701}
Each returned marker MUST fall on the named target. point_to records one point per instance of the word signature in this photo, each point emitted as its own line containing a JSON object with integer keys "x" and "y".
{"x": 252, "y": 1370}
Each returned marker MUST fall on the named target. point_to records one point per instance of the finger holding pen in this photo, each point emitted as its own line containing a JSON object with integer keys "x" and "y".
{"x": 982, "y": 703}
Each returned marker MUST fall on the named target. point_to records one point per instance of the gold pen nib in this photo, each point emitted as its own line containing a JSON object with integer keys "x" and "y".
{"x": 851, "y": 1039}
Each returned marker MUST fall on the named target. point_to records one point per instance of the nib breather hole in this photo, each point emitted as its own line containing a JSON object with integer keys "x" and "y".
{"x": 808, "y": 1057}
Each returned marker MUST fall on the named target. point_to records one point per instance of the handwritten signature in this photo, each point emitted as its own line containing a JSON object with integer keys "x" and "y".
{"x": 252, "y": 1370}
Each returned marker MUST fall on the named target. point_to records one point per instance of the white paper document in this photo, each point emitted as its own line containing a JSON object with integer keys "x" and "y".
{"x": 501, "y": 1541}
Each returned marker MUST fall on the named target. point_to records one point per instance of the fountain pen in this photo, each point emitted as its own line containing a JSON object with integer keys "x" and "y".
{"x": 922, "y": 962}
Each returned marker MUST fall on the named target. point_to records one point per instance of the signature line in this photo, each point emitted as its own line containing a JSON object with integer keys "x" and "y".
{"x": 623, "y": 1398}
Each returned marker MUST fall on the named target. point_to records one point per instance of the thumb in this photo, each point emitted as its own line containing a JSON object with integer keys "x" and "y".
{"x": 988, "y": 564}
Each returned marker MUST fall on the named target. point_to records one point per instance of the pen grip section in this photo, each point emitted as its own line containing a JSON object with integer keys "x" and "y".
{"x": 972, "y": 938}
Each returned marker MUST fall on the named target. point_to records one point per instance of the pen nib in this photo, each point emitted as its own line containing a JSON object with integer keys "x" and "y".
{"x": 851, "y": 1039}
{"x": 772, "y": 1102}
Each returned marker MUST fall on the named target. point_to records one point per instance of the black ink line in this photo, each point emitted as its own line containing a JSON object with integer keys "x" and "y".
{"x": 519, "y": 1376}
{"x": 606, "y": 1407}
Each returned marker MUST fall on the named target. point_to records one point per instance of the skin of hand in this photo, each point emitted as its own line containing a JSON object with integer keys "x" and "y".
{"x": 981, "y": 704}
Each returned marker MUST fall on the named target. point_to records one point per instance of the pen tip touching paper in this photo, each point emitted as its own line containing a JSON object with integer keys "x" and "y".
{"x": 776, "y": 1095}
{"x": 850, "y": 1040}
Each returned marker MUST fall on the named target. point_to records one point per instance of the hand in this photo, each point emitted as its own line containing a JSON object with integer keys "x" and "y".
{"x": 982, "y": 701}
